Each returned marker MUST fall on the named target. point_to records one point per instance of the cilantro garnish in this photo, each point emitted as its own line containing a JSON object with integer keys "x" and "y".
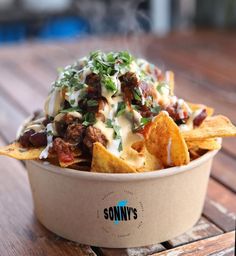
{"x": 145, "y": 120}
{"x": 120, "y": 108}
{"x": 109, "y": 123}
{"x": 92, "y": 103}
{"x": 120, "y": 148}
{"x": 137, "y": 94}
{"x": 89, "y": 119}
{"x": 116, "y": 131}
{"x": 116, "y": 128}
{"x": 156, "y": 109}
{"x": 109, "y": 83}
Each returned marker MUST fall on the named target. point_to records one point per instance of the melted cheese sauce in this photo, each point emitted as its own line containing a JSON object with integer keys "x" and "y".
{"x": 53, "y": 102}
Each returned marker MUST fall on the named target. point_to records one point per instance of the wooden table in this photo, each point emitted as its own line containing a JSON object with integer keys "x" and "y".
{"x": 205, "y": 68}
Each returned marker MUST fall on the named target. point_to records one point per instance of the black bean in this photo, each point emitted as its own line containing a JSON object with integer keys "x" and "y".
{"x": 197, "y": 121}
{"x": 38, "y": 139}
{"x": 24, "y": 138}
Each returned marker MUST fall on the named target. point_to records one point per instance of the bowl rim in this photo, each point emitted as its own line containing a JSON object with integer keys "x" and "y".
{"x": 124, "y": 176}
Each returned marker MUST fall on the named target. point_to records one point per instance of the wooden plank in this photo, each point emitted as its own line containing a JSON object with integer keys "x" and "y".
{"x": 203, "y": 229}
{"x": 20, "y": 232}
{"x": 224, "y": 171}
{"x": 214, "y": 246}
{"x": 229, "y": 146}
{"x": 25, "y": 95}
{"x": 202, "y": 57}
{"x": 219, "y": 207}
{"x": 141, "y": 251}
{"x": 10, "y": 118}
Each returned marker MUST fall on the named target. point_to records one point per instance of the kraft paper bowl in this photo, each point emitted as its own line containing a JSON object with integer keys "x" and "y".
{"x": 151, "y": 207}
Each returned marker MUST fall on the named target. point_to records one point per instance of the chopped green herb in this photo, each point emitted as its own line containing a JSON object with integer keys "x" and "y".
{"x": 156, "y": 109}
{"x": 116, "y": 131}
{"x": 49, "y": 133}
{"x": 109, "y": 123}
{"x": 109, "y": 83}
{"x": 89, "y": 119}
{"x": 72, "y": 102}
{"x": 137, "y": 94}
{"x": 120, "y": 108}
{"x": 120, "y": 148}
{"x": 145, "y": 120}
{"x": 92, "y": 103}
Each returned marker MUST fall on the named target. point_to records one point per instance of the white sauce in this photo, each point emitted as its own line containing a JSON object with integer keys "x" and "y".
{"x": 128, "y": 137}
{"x": 169, "y": 160}
{"x": 180, "y": 109}
{"x": 53, "y": 102}
{"x": 50, "y": 132}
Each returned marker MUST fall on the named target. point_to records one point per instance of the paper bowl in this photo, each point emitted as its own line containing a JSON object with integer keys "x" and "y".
{"x": 149, "y": 207}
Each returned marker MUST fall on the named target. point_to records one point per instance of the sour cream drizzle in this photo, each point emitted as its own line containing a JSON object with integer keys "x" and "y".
{"x": 44, "y": 153}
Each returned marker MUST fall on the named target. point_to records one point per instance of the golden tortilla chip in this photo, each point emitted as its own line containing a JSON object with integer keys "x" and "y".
{"x": 212, "y": 127}
{"x": 151, "y": 162}
{"x": 75, "y": 161}
{"x": 195, "y": 107}
{"x": 105, "y": 162}
{"x": 165, "y": 141}
{"x": 16, "y": 151}
{"x": 209, "y": 144}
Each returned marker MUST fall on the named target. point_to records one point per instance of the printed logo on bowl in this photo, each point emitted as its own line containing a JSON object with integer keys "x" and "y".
{"x": 120, "y": 213}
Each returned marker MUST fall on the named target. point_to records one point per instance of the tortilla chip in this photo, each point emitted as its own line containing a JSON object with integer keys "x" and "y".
{"x": 212, "y": 127}
{"x": 165, "y": 141}
{"x": 75, "y": 161}
{"x": 195, "y": 107}
{"x": 209, "y": 144}
{"x": 105, "y": 162}
{"x": 151, "y": 162}
{"x": 14, "y": 150}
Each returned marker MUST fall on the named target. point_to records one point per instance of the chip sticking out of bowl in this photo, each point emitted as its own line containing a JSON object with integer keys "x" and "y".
{"x": 165, "y": 141}
{"x": 15, "y": 150}
{"x": 212, "y": 127}
{"x": 208, "y": 144}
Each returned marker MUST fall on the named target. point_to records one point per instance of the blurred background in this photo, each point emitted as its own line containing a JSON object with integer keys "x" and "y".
{"x": 22, "y": 20}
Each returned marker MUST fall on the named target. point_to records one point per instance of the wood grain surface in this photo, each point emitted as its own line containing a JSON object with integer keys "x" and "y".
{"x": 204, "y": 64}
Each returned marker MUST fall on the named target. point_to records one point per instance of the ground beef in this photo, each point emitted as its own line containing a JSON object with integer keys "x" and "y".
{"x": 94, "y": 86}
{"x": 129, "y": 79}
{"x": 38, "y": 139}
{"x": 69, "y": 119}
{"x": 74, "y": 133}
{"x": 61, "y": 126}
{"x": 63, "y": 150}
{"x": 24, "y": 138}
{"x": 175, "y": 115}
{"x": 93, "y": 135}
{"x": 197, "y": 121}
{"x": 46, "y": 121}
